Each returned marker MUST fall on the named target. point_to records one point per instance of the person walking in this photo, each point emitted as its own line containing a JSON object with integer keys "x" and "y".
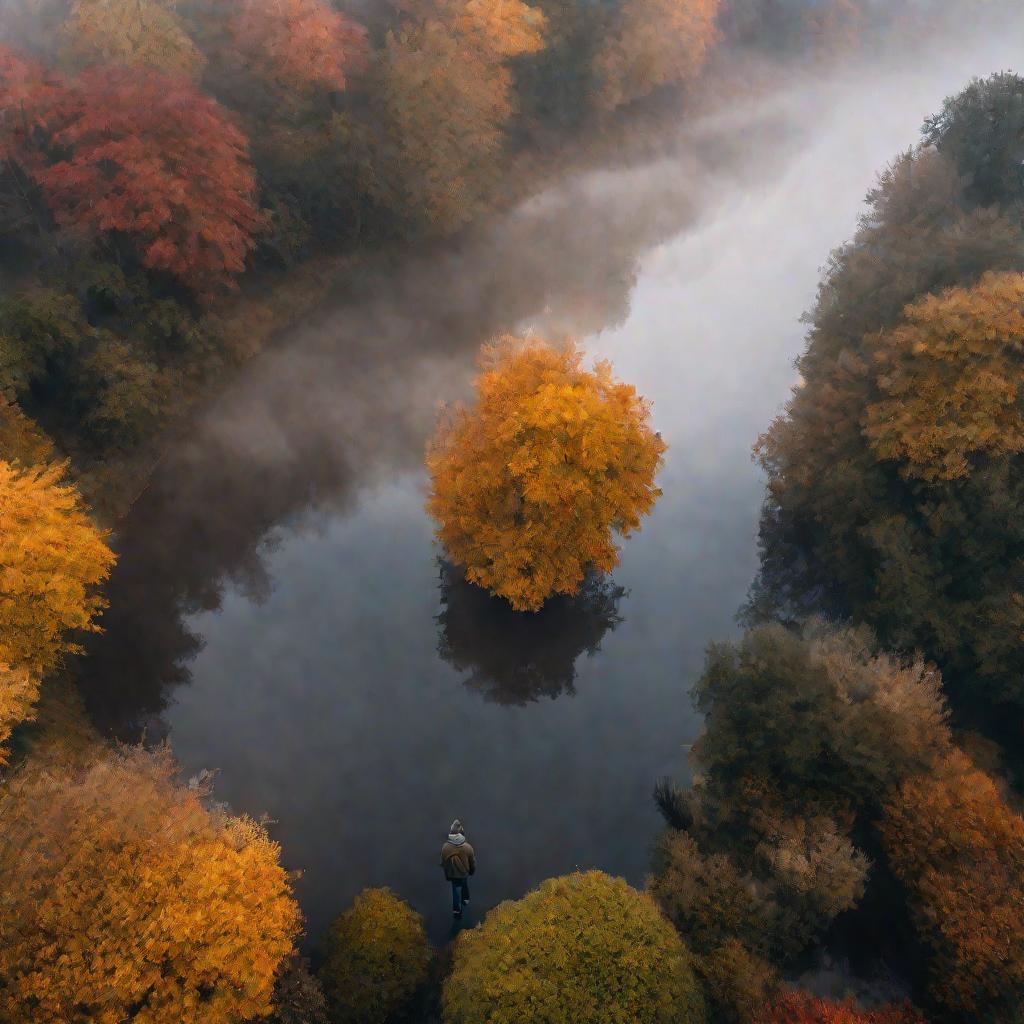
{"x": 459, "y": 862}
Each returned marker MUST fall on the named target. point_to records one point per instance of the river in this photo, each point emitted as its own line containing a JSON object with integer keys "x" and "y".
{"x": 280, "y": 613}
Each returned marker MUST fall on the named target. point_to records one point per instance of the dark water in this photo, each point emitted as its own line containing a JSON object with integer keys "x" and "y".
{"x": 280, "y": 612}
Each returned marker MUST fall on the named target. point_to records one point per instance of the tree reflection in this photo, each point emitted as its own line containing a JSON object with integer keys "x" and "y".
{"x": 515, "y": 658}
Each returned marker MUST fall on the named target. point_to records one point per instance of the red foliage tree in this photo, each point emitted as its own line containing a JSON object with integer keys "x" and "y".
{"x": 138, "y": 154}
{"x": 801, "y": 1008}
{"x": 297, "y": 43}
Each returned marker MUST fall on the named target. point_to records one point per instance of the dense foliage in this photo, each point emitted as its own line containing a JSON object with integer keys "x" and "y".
{"x": 895, "y": 481}
{"x": 377, "y": 959}
{"x": 52, "y": 559}
{"x": 581, "y": 947}
{"x": 126, "y": 898}
{"x": 530, "y": 484}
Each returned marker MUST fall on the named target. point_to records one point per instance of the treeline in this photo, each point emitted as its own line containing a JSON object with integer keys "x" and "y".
{"x": 154, "y": 155}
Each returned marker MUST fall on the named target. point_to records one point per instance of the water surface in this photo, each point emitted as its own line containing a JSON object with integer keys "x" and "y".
{"x": 280, "y": 611}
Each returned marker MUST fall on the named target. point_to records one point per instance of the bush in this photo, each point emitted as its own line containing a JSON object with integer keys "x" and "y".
{"x": 583, "y": 947}
{"x": 377, "y": 957}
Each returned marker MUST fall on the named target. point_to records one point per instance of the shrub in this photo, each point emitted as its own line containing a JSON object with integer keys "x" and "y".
{"x": 377, "y": 957}
{"x": 583, "y": 947}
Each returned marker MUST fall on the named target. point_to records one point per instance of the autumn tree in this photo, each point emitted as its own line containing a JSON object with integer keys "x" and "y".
{"x": 377, "y": 959}
{"x": 802, "y": 1008}
{"x": 949, "y": 380}
{"x": 656, "y": 43}
{"x": 121, "y": 153}
{"x": 959, "y": 849}
{"x": 581, "y": 947}
{"x": 838, "y": 723}
{"x": 530, "y": 484}
{"x": 298, "y": 44}
{"x": 125, "y": 898}
{"x": 52, "y": 560}
{"x": 138, "y": 33}
{"x": 445, "y": 95}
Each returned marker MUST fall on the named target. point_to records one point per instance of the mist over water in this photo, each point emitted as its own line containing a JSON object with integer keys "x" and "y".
{"x": 279, "y": 609}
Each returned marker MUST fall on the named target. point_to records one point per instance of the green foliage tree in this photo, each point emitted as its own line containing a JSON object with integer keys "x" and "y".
{"x": 581, "y": 947}
{"x": 377, "y": 959}
{"x": 981, "y": 130}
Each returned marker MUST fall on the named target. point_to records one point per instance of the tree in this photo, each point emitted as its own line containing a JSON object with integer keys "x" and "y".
{"x": 125, "y": 898}
{"x": 445, "y": 95}
{"x": 803, "y": 1008}
{"x": 949, "y": 376}
{"x": 138, "y": 33}
{"x": 124, "y": 153}
{"x": 377, "y": 959}
{"x": 52, "y": 560}
{"x": 298, "y": 997}
{"x": 298, "y": 44}
{"x": 656, "y": 43}
{"x": 837, "y": 724}
{"x": 959, "y": 850}
{"x": 736, "y": 982}
{"x": 581, "y": 947}
{"x": 981, "y": 130}
{"x": 529, "y": 485}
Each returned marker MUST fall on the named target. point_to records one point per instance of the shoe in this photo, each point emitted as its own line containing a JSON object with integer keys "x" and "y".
{"x": 465, "y": 902}
{"x": 456, "y": 914}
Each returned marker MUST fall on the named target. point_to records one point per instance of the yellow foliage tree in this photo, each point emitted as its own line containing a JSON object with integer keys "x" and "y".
{"x": 656, "y": 43}
{"x": 137, "y": 33}
{"x": 51, "y": 559}
{"x": 583, "y": 947}
{"x": 124, "y": 898}
{"x": 377, "y": 957}
{"x": 529, "y": 486}
{"x": 951, "y": 376}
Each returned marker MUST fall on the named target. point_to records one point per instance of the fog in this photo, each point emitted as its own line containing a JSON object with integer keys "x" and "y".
{"x": 276, "y": 607}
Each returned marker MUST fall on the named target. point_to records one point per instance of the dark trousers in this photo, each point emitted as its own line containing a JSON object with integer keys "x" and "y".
{"x": 460, "y": 893}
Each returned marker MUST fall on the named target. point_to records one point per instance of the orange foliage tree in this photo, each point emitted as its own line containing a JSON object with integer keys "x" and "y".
{"x": 656, "y": 43}
{"x": 950, "y": 375}
{"x": 51, "y": 560}
{"x": 125, "y": 152}
{"x": 126, "y": 899}
{"x": 529, "y": 486}
{"x": 959, "y": 849}
{"x": 298, "y": 43}
{"x": 801, "y": 1008}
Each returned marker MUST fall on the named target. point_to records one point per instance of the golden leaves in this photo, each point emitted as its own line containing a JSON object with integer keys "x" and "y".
{"x": 129, "y": 899}
{"x": 530, "y": 485}
{"x": 949, "y": 374}
{"x": 656, "y": 43}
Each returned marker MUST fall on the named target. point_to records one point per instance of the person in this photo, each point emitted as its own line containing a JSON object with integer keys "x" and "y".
{"x": 459, "y": 862}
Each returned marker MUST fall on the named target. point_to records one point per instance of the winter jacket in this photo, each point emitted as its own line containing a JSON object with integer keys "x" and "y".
{"x": 457, "y": 858}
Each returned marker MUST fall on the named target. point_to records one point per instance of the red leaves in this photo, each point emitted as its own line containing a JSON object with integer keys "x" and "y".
{"x": 801, "y": 1008}
{"x": 299, "y": 42}
{"x": 139, "y": 153}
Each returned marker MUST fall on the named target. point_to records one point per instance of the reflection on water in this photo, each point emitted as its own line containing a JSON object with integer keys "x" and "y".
{"x": 276, "y": 609}
{"x": 519, "y": 657}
